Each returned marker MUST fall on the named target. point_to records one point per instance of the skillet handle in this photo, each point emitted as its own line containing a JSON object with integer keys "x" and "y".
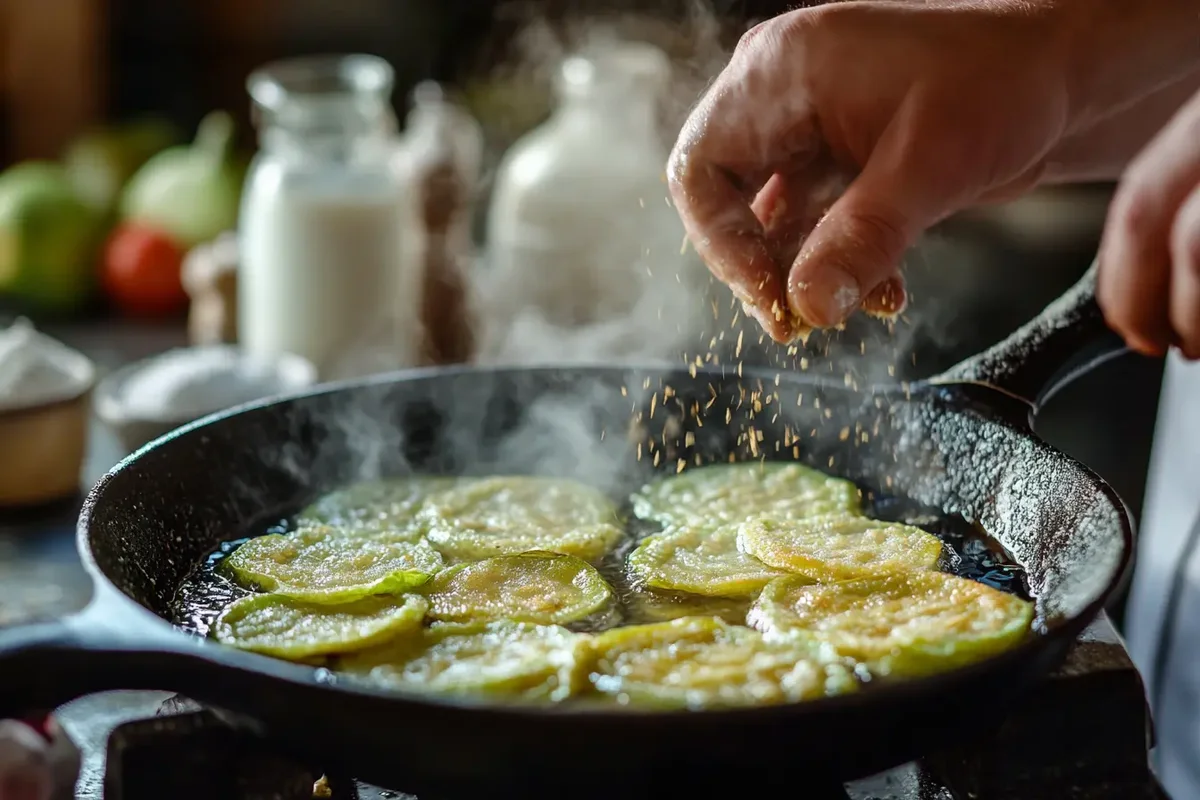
{"x": 1066, "y": 340}
{"x": 45, "y": 665}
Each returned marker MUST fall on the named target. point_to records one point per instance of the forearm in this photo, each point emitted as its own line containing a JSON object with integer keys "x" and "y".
{"x": 1119, "y": 52}
{"x": 1100, "y": 152}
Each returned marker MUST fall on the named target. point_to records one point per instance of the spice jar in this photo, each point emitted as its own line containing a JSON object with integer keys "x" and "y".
{"x": 210, "y": 279}
{"x": 320, "y": 226}
{"x": 444, "y": 148}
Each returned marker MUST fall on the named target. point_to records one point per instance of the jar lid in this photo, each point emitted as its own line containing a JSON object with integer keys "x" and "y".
{"x": 439, "y": 128}
{"x": 617, "y": 66}
{"x": 304, "y": 90}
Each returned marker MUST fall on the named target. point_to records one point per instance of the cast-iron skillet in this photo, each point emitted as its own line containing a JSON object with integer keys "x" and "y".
{"x": 961, "y": 443}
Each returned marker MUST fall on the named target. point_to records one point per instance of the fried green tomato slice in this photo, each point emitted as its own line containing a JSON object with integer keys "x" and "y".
{"x": 904, "y": 624}
{"x": 538, "y": 587}
{"x": 386, "y": 509}
{"x": 724, "y": 493}
{"x": 703, "y": 662}
{"x": 505, "y": 658}
{"x": 699, "y": 560}
{"x": 278, "y": 626}
{"x": 320, "y": 566}
{"x": 515, "y": 514}
{"x": 838, "y": 547}
{"x": 647, "y": 605}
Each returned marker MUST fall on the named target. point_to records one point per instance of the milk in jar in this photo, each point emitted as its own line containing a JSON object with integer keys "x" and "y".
{"x": 321, "y": 226}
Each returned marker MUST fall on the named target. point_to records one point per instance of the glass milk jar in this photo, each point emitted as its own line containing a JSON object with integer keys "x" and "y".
{"x": 321, "y": 220}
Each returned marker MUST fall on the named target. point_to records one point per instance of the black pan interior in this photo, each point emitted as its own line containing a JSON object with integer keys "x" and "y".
{"x": 161, "y": 512}
{"x": 152, "y": 519}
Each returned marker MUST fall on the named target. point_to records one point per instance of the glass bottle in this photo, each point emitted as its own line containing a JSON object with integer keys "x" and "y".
{"x": 322, "y": 244}
{"x": 583, "y": 244}
{"x": 443, "y": 152}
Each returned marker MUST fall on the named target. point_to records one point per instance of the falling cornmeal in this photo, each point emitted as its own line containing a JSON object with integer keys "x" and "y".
{"x": 724, "y": 585}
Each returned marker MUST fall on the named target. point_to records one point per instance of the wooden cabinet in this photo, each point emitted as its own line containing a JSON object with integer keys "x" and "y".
{"x": 53, "y": 73}
{"x": 65, "y": 64}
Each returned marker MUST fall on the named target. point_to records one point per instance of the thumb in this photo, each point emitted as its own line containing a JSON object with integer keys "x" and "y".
{"x": 858, "y": 244}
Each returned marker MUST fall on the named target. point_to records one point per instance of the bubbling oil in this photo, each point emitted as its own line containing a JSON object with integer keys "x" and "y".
{"x": 968, "y": 552}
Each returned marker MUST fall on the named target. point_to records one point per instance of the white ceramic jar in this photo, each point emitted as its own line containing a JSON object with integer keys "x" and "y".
{"x": 583, "y": 246}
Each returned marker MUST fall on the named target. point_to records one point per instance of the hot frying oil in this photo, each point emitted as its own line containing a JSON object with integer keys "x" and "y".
{"x": 968, "y": 552}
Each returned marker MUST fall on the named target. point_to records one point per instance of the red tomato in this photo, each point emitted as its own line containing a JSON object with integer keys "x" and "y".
{"x": 141, "y": 272}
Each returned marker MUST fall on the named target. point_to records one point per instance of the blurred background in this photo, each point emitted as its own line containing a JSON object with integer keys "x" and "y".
{"x": 450, "y": 193}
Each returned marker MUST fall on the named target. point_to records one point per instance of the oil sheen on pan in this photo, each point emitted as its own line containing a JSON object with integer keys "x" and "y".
{"x": 727, "y": 585}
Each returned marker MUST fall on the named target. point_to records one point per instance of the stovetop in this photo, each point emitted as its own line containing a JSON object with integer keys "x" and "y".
{"x": 1081, "y": 735}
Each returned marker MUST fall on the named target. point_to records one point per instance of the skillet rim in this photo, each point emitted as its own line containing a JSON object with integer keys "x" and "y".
{"x": 1064, "y": 633}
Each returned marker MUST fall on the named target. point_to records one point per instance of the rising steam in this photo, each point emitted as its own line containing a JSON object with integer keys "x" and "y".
{"x": 680, "y": 317}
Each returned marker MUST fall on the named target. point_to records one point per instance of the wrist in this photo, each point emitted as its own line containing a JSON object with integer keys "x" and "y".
{"x": 1101, "y": 152}
{"x": 1118, "y": 52}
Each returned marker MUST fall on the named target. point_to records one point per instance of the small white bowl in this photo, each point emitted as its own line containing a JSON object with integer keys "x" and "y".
{"x": 135, "y": 427}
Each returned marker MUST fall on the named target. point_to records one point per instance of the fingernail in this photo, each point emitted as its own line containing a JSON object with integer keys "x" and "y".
{"x": 887, "y": 299}
{"x": 830, "y": 294}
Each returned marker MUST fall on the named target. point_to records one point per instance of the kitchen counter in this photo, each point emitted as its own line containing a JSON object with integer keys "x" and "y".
{"x": 40, "y": 574}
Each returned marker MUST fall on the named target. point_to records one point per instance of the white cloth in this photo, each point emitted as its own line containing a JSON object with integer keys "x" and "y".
{"x": 1163, "y": 618}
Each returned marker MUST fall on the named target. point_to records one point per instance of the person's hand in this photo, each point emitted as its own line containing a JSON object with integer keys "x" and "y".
{"x": 838, "y": 134}
{"x": 1149, "y": 276}
{"x": 915, "y": 110}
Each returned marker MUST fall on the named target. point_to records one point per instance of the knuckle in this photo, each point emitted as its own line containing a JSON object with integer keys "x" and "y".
{"x": 751, "y": 39}
{"x": 773, "y": 32}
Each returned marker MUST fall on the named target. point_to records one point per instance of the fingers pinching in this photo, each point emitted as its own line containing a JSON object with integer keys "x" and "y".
{"x": 852, "y": 251}
{"x": 726, "y": 154}
{"x": 728, "y": 237}
{"x": 1184, "y": 300}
